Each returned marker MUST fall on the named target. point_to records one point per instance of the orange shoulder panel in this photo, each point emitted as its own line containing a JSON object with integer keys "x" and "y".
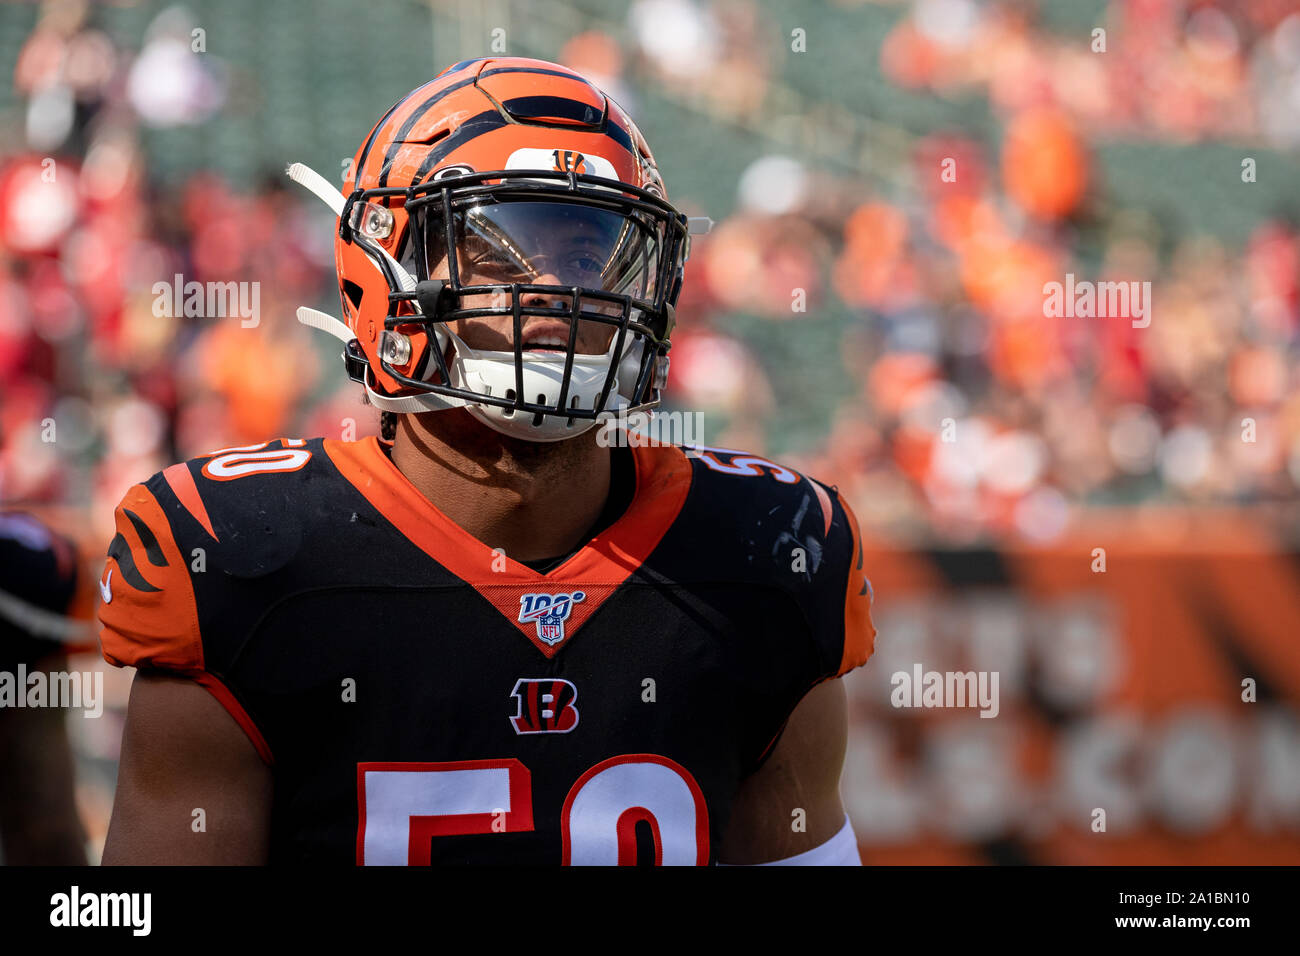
{"x": 181, "y": 482}
{"x": 859, "y": 632}
{"x": 148, "y": 611}
{"x": 824, "y": 502}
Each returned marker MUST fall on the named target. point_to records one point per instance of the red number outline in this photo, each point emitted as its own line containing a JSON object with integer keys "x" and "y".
{"x": 519, "y": 818}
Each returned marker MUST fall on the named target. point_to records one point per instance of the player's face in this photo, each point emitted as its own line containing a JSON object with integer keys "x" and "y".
{"x": 541, "y": 333}
{"x": 544, "y": 245}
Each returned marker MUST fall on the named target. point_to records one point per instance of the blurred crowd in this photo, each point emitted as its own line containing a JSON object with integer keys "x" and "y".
{"x": 970, "y": 412}
{"x": 975, "y": 413}
{"x": 103, "y": 382}
{"x": 1183, "y": 70}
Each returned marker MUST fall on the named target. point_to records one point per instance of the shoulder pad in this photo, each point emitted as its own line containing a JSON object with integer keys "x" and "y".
{"x": 243, "y": 505}
{"x": 807, "y": 537}
{"x": 234, "y": 512}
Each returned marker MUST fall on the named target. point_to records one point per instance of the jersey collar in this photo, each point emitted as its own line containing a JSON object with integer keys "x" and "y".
{"x": 594, "y": 571}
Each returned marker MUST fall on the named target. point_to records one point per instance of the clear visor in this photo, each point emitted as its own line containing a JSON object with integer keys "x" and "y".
{"x": 547, "y": 243}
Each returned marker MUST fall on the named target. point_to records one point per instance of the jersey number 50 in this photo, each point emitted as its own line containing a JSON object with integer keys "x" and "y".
{"x": 403, "y": 806}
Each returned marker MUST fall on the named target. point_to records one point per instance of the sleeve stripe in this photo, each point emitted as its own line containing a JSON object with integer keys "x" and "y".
{"x": 859, "y": 632}
{"x": 154, "y": 622}
{"x": 120, "y": 552}
{"x": 823, "y": 499}
{"x": 181, "y": 482}
{"x": 152, "y": 550}
{"x": 214, "y": 686}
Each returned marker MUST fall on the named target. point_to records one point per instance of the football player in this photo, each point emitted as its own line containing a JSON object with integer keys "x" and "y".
{"x": 492, "y": 635}
{"x": 38, "y": 579}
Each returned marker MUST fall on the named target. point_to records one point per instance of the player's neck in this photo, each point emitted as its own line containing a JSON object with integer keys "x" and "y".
{"x": 531, "y": 499}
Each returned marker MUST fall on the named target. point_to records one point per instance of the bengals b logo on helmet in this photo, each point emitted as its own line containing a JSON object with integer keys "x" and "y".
{"x": 570, "y": 161}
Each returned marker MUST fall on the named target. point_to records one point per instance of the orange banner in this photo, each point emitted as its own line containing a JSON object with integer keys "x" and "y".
{"x": 1140, "y": 688}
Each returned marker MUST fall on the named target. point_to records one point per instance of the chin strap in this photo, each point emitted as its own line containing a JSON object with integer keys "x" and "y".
{"x": 325, "y": 191}
{"x": 314, "y": 182}
{"x": 326, "y": 323}
{"x": 402, "y": 406}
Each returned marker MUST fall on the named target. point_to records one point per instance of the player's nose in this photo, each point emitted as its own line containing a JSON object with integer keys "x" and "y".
{"x": 546, "y": 300}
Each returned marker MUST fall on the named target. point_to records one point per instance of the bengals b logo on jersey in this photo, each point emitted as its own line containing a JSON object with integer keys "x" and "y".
{"x": 545, "y": 706}
{"x": 570, "y": 161}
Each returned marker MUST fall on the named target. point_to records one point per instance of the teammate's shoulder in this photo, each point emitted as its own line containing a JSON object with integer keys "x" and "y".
{"x": 38, "y": 586}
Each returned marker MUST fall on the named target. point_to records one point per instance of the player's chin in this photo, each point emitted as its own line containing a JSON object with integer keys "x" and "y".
{"x": 498, "y": 452}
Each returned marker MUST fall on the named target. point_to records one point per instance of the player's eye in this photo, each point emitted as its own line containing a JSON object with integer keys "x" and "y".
{"x": 483, "y": 259}
{"x": 492, "y": 262}
{"x": 584, "y": 263}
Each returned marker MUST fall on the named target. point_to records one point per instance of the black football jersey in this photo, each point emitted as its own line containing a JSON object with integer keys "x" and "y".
{"x": 38, "y": 582}
{"x": 423, "y": 698}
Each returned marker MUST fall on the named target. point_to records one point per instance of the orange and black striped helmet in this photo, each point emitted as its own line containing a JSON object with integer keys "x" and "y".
{"x": 513, "y": 193}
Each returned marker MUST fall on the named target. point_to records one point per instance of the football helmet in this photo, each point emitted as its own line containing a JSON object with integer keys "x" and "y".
{"x": 506, "y": 245}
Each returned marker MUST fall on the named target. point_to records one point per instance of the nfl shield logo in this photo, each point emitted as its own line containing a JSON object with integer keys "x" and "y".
{"x": 548, "y": 612}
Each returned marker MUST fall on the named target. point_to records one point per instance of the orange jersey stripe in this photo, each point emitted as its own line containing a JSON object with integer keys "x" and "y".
{"x": 859, "y": 631}
{"x": 226, "y": 699}
{"x": 187, "y": 493}
{"x": 823, "y": 499}
{"x": 150, "y": 616}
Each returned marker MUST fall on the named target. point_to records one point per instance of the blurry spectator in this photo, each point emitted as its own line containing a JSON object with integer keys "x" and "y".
{"x": 38, "y": 814}
{"x": 944, "y": 272}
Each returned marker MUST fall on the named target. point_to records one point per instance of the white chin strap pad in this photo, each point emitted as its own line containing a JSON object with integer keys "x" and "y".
{"x": 405, "y": 405}
{"x": 493, "y": 373}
